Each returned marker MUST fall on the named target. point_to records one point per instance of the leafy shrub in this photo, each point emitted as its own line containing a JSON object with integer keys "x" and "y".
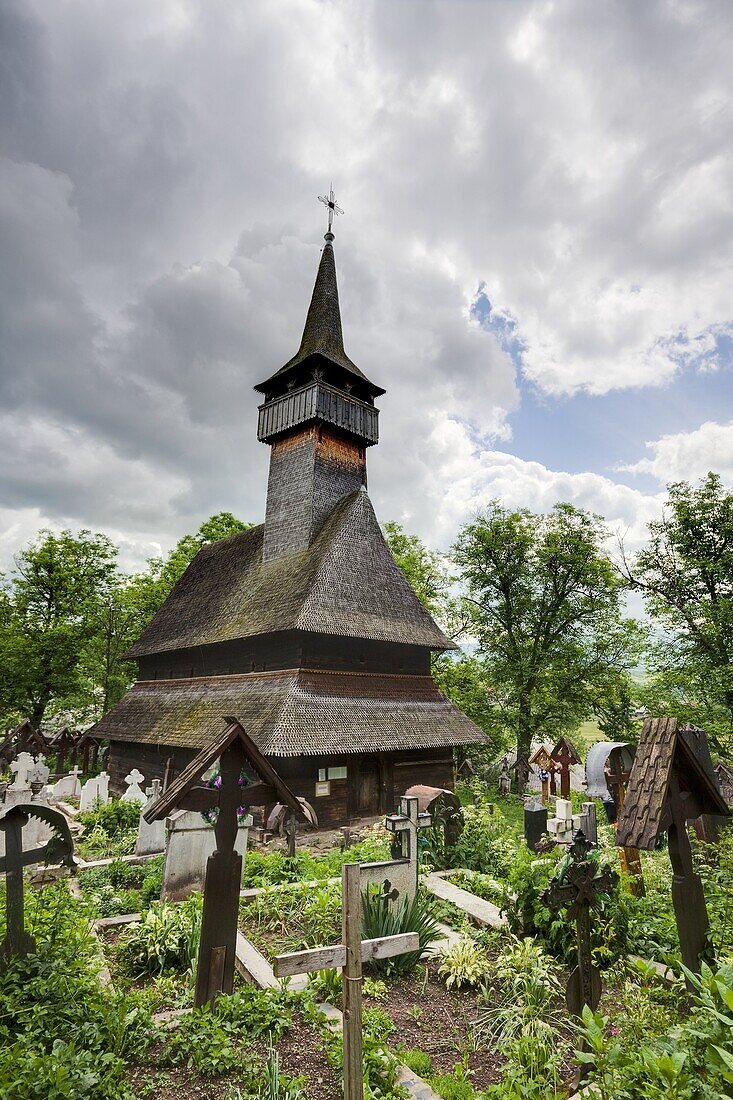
{"x": 453, "y": 1086}
{"x": 528, "y": 982}
{"x": 165, "y": 939}
{"x": 61, "y": 1033}
{"x": 115, "y": 818}
{"x": 485, "y": 844}
{"x": 326, "y": 985}
{"x": 418, "y": 1061}
{"x": 122, "y": 887}
{"x": 380, "y": 918}
{"x": 464, "y": 963}
{"x": 375, "y": 988}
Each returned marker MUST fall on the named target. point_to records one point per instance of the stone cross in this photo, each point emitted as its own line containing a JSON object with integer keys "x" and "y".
{"x": 348, "y": 956}
{"x": 405, "y": 826}
{"x": 134, "y": 792}
{"x": 577, "y": 888}
{"x": 59, "y": 849}
{"x": 22, "y": 766}
{"x": 40, "y": 771}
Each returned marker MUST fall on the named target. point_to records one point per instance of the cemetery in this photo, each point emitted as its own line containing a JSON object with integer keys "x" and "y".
{"x": 478, "y": 960}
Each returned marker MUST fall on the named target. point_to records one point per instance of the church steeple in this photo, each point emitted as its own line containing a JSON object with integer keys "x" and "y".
{"x": 319, "y": 417}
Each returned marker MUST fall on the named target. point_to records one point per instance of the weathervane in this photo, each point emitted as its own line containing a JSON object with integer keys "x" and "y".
{"x": 333, "y": 207}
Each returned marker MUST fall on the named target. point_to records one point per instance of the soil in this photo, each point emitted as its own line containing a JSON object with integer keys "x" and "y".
{"x": 301, "y": 1054}
{"x": 436, "y": 1020}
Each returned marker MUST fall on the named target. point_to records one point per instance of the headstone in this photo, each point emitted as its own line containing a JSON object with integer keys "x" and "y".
{"x": 90, "y": 796}
{"x": 189, "y": 842}
{"x": 134, "y": 792}
{"x": 39, "y": 773}
{"x": 68, "y": 786}
{"x": 22, "y": 766}
{"x": 535, "y": 823}
{"x": 401, "y": 872}
{"x": 560, "y": 827}
{"x": 151, "y": 838}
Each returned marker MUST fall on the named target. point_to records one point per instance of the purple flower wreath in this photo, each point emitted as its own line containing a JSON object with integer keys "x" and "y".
{"x": 211, "y": 816}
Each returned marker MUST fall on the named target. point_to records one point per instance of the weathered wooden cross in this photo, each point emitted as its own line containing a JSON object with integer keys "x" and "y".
{"x": 542, "y": 760}
{"x": 629, "y": 857}
{"x": 233, "y": 749}
{"x": 577, "y": 889}
{"x": 565, "y": 755}
{"x": 348, "y": 956}
{"x": 59, "y": 849}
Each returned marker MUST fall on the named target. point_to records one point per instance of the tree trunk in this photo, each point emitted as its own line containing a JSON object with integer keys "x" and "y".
{"x": 524, "y": 746}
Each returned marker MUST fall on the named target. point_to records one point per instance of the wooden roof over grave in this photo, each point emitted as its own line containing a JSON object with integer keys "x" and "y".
{"x": 542, "y": 758}
{"x": 724, "y": 774}
{"x": 565, "y": 742}
{"x": 664, "y": 747}
{"x": 345, "y": 583}
{"x": 176, "y": 792}
{"x": 293, "y": 712}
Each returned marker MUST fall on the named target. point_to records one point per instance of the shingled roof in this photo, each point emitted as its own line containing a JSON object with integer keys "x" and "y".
{"x": 345, "y": 583}
{"x": 295, "y": 712}
{"x": 662, "y": 747}
{"x": 322, "y": 334}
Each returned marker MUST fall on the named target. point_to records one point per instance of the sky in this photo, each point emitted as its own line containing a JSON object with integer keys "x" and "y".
{"x": 535, "y": 259}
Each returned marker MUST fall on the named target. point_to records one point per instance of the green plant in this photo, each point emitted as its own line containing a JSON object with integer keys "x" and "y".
{"x": 380, "y": 918}
{"x": 379, "y": 1025}
{"x": 375, "y": 988}
{"x": 113, "y": 819}
{"x": 464, "y": 963}
{"x": 418, "y": 1061}
{"x": 528, "y": 983}
{"x": 326, "y": 985}
{"x": 276, "y": 1086}
{"x": 165, "y": 939}
{"x": 453, "y": 1086}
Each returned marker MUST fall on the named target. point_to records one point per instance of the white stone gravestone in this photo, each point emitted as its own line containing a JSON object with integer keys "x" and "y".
{"x": 561, "y": 825}
{"x": 400, "y": 873}
{"x": 40, "y": 771}
{"x": 189, "y": 843}
{"x": 150, "y": 838}
{"x": 134, "y": 792}
{"x": 94, "y": 793}
{"x": 69, "y": 785}
{"x": 22, "y": 766}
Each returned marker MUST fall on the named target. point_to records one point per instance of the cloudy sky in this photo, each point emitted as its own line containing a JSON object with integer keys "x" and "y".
{"x": 536, "y": 258}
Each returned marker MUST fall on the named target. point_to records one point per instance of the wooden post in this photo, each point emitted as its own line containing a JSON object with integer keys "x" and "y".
{"x": 351, "y": 996}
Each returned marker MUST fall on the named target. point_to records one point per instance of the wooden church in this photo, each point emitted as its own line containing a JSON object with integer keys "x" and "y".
{"x": 303, "y": 628}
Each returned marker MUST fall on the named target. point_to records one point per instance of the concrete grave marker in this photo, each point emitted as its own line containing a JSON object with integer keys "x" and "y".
{"x": 68, "y": 786}
{"x": 22, "y": 767}
{"x": 134, "y": 792}
{"x": 150, "y": 837}
{"x": 94, "y": 793}
{"x": 39, "y": 773}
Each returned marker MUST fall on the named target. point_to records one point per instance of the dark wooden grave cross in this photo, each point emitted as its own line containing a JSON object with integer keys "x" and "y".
{"x": 617, "y": 778}
{"x": 59, "y": 849}
{"x": 577, "y": 889}
{"x": 348, "y": 956}
{"x": 234, "y": 750}
{"x": 565, "y": 756}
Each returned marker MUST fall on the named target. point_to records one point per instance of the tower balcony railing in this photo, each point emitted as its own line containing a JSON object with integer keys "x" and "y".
{"x": 322, "y": 402}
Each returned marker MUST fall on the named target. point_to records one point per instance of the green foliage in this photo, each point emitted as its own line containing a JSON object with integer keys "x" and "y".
{"x": 464, "y": 963}
{"x": 276, "y": 1085}
{"x": 484, "y": 845}
{"x": 418, "y": 1061}
{"x": 115, "y": 818}
{"x": 453, "y": 1086}
{"x": 165, "y": 939}
{"x": 685, "y": 573}
{"x": 715, "y": 866}
{"x": 325, "y": 985}
{"x": 61, "y": 1034}
{"x": 262, "y": 869}
{"x": 381, "y": 918}
{"x": 375, "y": 988}
{"x": 122, "y": 887}
{"x": 546, "y": 607}
{"x": 299, "y": 916}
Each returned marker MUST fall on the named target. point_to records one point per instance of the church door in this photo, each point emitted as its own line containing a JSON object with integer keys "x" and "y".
{"x": 368, "y": 790}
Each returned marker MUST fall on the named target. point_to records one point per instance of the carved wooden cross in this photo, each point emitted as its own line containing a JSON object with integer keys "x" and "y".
{"x": 542, "y": 760}
{"x": 234, "y": 749}
{"x": 348, "y": 956}
{"x": 577, "y": 889}
{"x": 59, "y": 849}
{"x": 629, "y": 858}
{"x": 565, "y": 756}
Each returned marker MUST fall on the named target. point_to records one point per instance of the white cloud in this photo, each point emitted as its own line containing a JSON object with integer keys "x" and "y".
{"x": 688, "y": 456}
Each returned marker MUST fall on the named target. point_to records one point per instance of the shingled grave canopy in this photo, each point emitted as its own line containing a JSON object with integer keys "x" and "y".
{"x": 234, "y": 749}
{"x": 672, "y": 782}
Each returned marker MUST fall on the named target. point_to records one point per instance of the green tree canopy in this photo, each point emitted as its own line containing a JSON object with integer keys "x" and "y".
{"x": 546, "y": 605}
{"x": 685, "y": 573}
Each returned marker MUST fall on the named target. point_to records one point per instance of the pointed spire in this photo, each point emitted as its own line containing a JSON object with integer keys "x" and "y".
{"x": 322, "y": 334}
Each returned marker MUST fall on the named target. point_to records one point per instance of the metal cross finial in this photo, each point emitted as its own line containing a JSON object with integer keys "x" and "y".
{"x": 333, "y": 207}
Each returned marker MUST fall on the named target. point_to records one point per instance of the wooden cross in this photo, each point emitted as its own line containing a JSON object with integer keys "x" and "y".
{"x": 564, "y": 756}
{"x": 348, "y": 956}
{"x": 577, "y": 889}
{"x": 630, "y": 858}
{"x": 234, "y": 749}
{"x": 546, "y": 765}
{"x": 59, "y": 849}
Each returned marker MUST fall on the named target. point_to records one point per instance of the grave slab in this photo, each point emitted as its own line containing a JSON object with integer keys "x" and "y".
{"x": 483, "y": 912}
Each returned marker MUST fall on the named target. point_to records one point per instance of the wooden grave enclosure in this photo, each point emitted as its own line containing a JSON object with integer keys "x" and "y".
{"x": 348, "y": 956}
{"x": 235, "y": 750}
{"x": 672, "y": 782}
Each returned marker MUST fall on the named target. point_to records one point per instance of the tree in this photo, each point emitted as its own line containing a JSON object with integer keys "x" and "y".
{"x": 427, "y": 573}
{"x": 49, "y": 610}
{"x": 546, "y": 605}
{"x": 685, "y": 574}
